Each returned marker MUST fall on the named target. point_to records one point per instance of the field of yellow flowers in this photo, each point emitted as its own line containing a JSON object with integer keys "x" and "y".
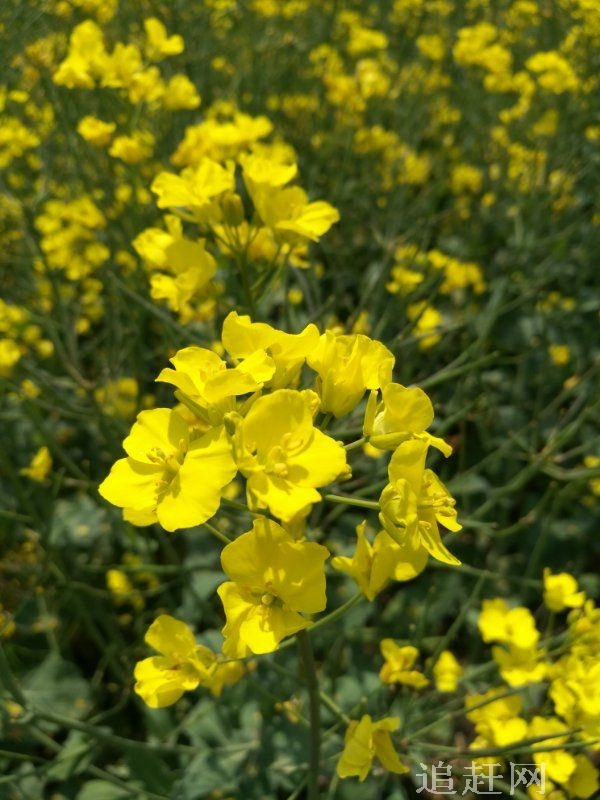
{"x": 300, "y": 399}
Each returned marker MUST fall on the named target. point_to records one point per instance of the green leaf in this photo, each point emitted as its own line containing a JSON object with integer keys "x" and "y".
{"x": 57, "y": 686}
{"x": 75, "y": 756}
{"x": 103, "y": 790}
{"x": 151, "y": 771}
{"x": 78, "y": 521}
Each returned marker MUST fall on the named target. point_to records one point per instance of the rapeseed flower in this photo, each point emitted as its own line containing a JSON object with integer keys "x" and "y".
{"x": 172, "y": 475}
{"x": 365, "y": 741}
{"x": 560, "y": 591}
{"x": 348, "y": 365}
{"x": 373, "y": 565}
{"x": 158, "y": 44}
{"x": 398, "y": 666}
{"x": 284, "y": 457}
{"x": 416, "y": 502}
{"x": 39, "y": 467}
{"x": 402, "y": 414}
{"x": 242, "y": 338}
{"x": 181, "y": 666}
{"x": 274, "y": 581}
{"x": 515, "y": 626}
{"x": 447, "y": 672}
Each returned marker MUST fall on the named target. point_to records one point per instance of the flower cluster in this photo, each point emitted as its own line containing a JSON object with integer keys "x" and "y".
{"x": 251, "y": 418}
{"x": 261, "y": 240}
{"x": 559, "y": 713}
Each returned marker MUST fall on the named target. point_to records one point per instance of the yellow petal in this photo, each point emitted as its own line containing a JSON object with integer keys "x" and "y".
{"x": 131, "y": 484}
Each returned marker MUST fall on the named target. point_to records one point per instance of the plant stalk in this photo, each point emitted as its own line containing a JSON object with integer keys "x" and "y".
{"x": 312, "y": 684}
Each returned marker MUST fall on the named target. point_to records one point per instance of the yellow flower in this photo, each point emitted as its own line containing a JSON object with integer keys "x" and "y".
{"x": 205, "y": 379}
{"x": 220, "y": 138}
{"x": 447, "y": 672}
{"x": 398, "y": 665}
{"x": 10, "y": 354}
{"x": 133, "y": 149}
{"x": 181, "y": 666}
{"x": 171, "y": 475}
{"x": 191, "y": 266}
{"x": 466, "y": 179}
{"x": 373, "y": 566}
{"x": 575, "y": 690}
{"x": 497, "y": 721}
{"x": 519, "y": 665}
{"x": 348, "y": 365}
{"x": 158, "y": 44}
{"x": 515, "y": 626}
{"x": 590, "y": 462}
{"x": 560, "y": 764}
{"x": 402, "y": 414}
{"x": 95, "y": 131}
{"x": 226, "y": 674}
{"x": 39, "y": 467}
{"x": 180, "y": 92}
{"x": 415, "y": 502}
{"x": 123, "y": 591}
{"x": 283, "y": 456}
{"x": 261, "y": 171}
{"x": 288, "y": 212}
{"x": 366, "y": 740}
{"x": 274, "y": 580}
{"x": 560, "y": 354}
{"x": 122, "y": 67}
{"x": 242, "y": 338}
{"x": 560, "y": 591}
{"x": 195, "y": 188}
{"x": 431, "y": 46}
{"x": 553, "y": 71}
{"x": 427, "y": 321}
{"x": 86, "y": 58}
{"x": 118, "y": 398}
{"x": 584, "y": 779}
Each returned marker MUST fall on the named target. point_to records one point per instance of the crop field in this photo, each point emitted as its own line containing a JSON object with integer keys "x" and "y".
{"x": 299, "y": 399}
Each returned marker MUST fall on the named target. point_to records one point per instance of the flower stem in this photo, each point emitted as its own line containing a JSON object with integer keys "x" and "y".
{"x": 357, "y": 443}
{"x": 338, "y": 612}
{"x": 351, "y": 501}
{"x": 312, "y": 684}
{"x": 217, "y": 533}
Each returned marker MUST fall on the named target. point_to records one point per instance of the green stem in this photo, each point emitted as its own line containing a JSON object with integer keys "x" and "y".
{"x": 357, "y": 443}
{"x": 339, "y": 612}
{"x": 312, "y": 684}
{"x": 8, "y": 681}
{"x": 217, "y": 533}
{"x": 515, "y": 747}
{"x": 486, "y": 573}
{"x": 240, "y": 507}
{"x": 351, "y": 501}
{"x": 242, "y": 264}
{"x": 326, "y": 420}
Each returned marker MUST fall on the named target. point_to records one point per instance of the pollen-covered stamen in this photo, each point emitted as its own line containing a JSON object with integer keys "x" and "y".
{"x": 439, "y": 501}
{"x": 434, "y": 498}
{"x": 267, "y": 599}
{"x": 277, "y": 462}
{"x": 170, "y": 461}
{"x": 156, "y": 455}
